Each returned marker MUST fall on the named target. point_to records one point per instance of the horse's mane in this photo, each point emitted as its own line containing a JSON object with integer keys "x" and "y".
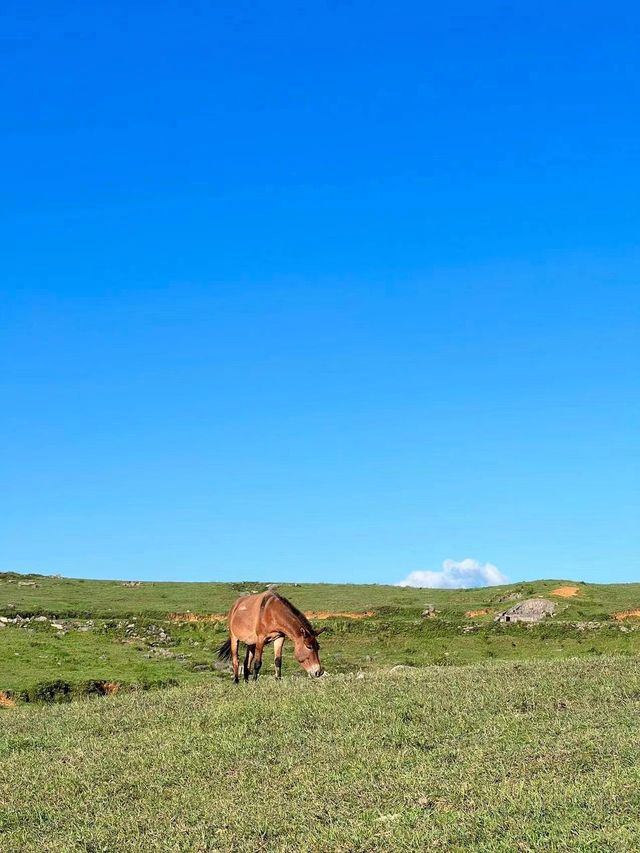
{"x": 307, "y": 626}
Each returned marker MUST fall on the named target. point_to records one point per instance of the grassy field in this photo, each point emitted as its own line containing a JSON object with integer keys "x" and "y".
{"x": 489, "y": 757}
{"x": 68, "y": 637}
{"x": 491, "y": 737}
{"x": 89, "y": 598}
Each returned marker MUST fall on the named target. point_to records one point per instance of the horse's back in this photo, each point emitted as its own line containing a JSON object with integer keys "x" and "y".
{"x": 244, "y": 617}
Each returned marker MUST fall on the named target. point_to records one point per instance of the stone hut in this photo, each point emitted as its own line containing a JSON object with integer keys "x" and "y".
{"x": 531, "y": 610}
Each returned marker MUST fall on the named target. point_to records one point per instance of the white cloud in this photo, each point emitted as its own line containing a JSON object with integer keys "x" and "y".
{"x": 457, "y": 575}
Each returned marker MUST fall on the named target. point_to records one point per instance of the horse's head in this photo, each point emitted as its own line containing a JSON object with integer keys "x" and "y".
{"x": 307, "y": 652}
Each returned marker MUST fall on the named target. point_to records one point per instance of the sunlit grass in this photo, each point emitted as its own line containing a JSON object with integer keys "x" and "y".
{"x": 513, "y": 756}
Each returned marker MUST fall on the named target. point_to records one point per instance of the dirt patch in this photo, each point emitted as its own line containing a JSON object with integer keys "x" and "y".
{"x": 6, "y": 701}
{"x": 110, "y": 688}
{"x": 566, "y": 591}
{"x": 338, "y": 614}
{"x": 471, "y": 614}
{"x": 197, "y": 617}
{"x": 626, "y": 614}
{"x": 310, "y": 614}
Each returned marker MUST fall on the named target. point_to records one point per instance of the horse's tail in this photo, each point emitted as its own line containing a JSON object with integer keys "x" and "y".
{"x": 224, "y": 652}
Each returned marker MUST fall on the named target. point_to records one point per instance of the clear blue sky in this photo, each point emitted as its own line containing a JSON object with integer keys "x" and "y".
{"x": 320, "y": 291}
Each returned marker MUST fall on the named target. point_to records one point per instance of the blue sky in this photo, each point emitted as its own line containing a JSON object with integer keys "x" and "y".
{"x": 329, "y": 292}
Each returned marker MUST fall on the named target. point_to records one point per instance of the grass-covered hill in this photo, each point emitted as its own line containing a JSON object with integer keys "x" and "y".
{"x": 491, "y": 737}
{"x": 54, "y": 595}
{"x": 61, "y": 637}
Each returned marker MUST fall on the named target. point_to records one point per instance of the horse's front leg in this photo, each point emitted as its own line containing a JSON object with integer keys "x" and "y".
{"x": 257, "y": 658}
{"x": 278, "y": 643}
{"x": 246, "y": 669}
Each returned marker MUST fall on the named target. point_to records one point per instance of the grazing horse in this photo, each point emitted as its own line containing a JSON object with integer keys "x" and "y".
{"x": 264, "y": 618}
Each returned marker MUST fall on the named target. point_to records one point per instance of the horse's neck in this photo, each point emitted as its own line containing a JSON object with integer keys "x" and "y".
{"x": 288, "y": 623}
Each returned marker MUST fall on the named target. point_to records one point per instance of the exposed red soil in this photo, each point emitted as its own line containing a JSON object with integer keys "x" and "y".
{"x": 6, "y": 701}
{"x": 566, "y": 591}
{"x": 471, "y": 614}
{"x": 310, "y": 614}
{"x": 197, "y": 617}
{"x": 626, "y": 614}
{"x": 341, "y": 614}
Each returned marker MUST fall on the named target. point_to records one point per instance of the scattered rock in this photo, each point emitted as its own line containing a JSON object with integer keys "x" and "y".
{"x": 511, "y": 596}
{"x": 160, "y": 653}
{"x": 401, "y": 667}
{"x": 27, "y": 583}
{"x": 429, "y": 612}
{"x": 57, "y": 626}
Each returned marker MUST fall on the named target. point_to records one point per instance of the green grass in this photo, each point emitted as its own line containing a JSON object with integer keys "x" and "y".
{"x": 31, "y": 661}
{"x": 499, "y": 738}
{"x": 124, "y": 634}
{"x": 493, "y": 757}
{"x": 106, "y": 599}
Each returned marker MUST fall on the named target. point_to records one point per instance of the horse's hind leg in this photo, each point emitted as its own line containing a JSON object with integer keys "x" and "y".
{"x": 278, "y": 643}
{"x": 235, "y": 660}
{"x": 257, "y": 660}
{"x": 248, "y": 658}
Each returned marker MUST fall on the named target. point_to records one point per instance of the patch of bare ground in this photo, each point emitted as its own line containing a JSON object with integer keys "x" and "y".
{"x": 472, "y": 614}
{"x": 310, "y": 614}
{"x": 566, "y": 591}
{"x": 338, "y": 614}
{"x": 197, "y": 617}
{"x": 6, "y": 701}
{"x": 626, "y": 614}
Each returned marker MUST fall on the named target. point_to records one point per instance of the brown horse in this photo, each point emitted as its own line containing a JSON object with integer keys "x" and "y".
{"x": 257, "y": 620}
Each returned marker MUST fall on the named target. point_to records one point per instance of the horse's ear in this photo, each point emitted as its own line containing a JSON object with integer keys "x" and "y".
{"x": 320, "y": 630}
